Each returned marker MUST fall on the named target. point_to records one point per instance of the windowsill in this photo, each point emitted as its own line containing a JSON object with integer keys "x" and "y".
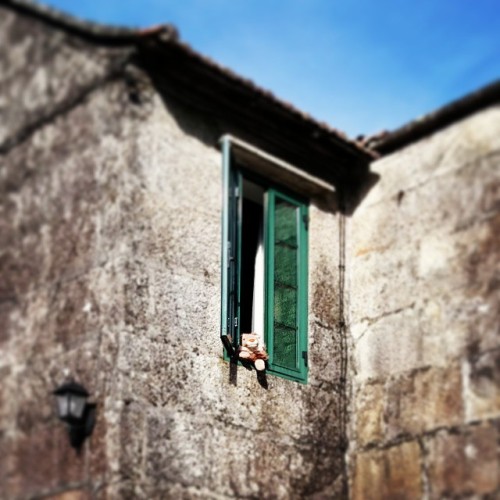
{"x": 250, "y": 367}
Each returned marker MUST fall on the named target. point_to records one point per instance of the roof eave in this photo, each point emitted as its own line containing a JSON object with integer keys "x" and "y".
{"x": 388, "y": 142}
{"x": 167, "y": 36}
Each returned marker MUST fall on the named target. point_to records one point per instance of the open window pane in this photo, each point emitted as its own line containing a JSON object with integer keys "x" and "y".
{"x": 285, "y": 342}
{"x": 287, "y": 294}
{"x": 231, "y": 239}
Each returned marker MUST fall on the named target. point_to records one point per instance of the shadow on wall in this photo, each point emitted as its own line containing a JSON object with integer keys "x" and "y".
{"x": 200, "y": 112}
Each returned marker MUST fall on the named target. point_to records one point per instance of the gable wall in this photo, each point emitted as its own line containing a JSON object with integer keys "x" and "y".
{"x": 423, "y": 261}
{"x": 110, "y": 263}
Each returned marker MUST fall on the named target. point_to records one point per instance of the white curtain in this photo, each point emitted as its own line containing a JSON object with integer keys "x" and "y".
{"x": 258, "y": 289}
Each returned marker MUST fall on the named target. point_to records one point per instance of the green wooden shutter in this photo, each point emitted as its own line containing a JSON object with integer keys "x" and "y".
{"x": 286, "y": 272}
{"x": 231, "y": 238}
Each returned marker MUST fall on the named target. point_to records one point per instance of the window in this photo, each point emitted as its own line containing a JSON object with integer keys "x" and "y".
{"x": 264, "y": 267}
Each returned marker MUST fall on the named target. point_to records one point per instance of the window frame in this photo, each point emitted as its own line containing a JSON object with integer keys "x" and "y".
{"x": 233, "y": 174}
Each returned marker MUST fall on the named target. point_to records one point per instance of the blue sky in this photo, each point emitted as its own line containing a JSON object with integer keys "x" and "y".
{"x": 359, "y": 65}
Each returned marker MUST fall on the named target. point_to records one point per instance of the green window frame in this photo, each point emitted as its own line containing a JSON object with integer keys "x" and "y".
{"x": 285, "y": 225}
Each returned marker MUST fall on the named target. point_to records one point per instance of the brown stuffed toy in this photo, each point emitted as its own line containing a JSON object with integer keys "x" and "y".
{"x": 253, "y": 349}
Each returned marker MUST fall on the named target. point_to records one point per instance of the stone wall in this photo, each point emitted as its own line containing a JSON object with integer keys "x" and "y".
{"x": 424, "y": 274}
{"x": 44, "y": 72}
{"x": 110, "y": 274}
{"x": 110, "y": 199}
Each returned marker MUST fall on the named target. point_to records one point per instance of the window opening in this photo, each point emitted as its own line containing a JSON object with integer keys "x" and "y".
{"x": 264, "y": 274}
{"x": 252, "y": 259}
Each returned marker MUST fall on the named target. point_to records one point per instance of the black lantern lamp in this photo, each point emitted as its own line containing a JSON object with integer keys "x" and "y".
{"x": 75, "y": 412}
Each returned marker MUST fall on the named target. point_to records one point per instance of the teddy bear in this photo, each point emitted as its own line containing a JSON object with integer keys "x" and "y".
{"x": 253, "y": 349}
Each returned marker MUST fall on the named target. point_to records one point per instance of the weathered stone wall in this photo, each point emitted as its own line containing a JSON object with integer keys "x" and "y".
{"x": 110, "y": 273}
{"x": 44, "y": 72}
{"x": 67, "y": 203}
{"x": 424, "y": 274}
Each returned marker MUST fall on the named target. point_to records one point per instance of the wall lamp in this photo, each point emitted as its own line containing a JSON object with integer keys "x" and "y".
{"x": 75, "y": 412}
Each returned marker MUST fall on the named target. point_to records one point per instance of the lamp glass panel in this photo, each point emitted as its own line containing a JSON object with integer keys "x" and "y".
{"x": 62, "y": 405}
{"x": 77, "y": 405}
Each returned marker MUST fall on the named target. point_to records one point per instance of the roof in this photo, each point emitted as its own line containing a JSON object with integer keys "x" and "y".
{"x": 387, "y": 142}
{"x": 247, "y": 110}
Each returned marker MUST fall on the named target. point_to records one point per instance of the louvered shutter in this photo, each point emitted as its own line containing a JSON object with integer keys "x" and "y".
{"x": 287, "y": 284}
